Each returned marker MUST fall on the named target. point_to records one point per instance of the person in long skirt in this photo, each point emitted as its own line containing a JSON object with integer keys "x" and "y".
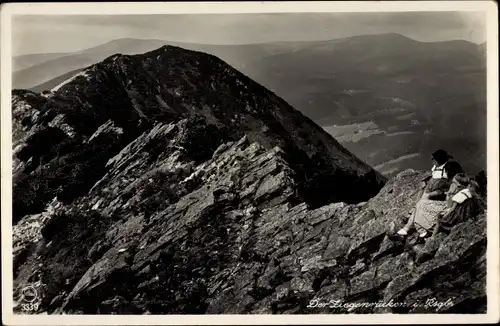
{"x": 432, "y": 197}
{"x": 464, "y": 204}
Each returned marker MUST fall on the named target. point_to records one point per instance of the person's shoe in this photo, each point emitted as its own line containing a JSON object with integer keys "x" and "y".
{"x": 400, "y": 235}
{"x": 402, "y": 232}
{"x": 423, "y": 235}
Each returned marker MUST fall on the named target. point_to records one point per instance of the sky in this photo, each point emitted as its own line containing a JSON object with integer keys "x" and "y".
{"x": 61, "y": 34}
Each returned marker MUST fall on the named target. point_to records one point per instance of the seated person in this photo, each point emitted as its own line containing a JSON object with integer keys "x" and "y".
{"x": 463, "y": 205}
{"x": 432, "y": 199}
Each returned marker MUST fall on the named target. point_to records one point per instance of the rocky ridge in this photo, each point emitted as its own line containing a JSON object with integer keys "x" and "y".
{"x": 160, "y": 233}
{"x": 52, "y": 132}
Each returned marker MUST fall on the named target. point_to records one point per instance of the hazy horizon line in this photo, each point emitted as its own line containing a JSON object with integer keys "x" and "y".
{"x": 244, "y": 44}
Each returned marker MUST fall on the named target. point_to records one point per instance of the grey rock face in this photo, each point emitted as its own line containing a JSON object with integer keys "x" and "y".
{"x": 228, "y": 236}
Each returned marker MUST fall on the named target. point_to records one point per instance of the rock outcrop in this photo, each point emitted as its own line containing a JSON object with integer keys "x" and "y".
{"x": 53, "y": 132}
{"x": 160, "y": 233}
{"x": 211, "y": 209}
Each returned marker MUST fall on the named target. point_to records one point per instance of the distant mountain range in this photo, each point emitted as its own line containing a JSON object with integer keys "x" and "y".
{"x": 414, "y": 96}
{"x": 22, "y": 62}
{"x": 46, "y": 69}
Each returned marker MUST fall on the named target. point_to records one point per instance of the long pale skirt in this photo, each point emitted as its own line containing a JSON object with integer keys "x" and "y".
{"x": 426, "y": 212}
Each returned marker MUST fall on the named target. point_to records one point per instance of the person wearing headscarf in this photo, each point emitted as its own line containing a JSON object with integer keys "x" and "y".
{"x": 463, "y": 203}
{"x": 433, "y": 195}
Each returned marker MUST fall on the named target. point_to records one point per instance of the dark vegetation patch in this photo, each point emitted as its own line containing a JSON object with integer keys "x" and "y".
{"x": 66, "y": 177}
{"x": 200, "y": 139}
{"x": 67, "y": 258}
{"x": 158, "y": 192}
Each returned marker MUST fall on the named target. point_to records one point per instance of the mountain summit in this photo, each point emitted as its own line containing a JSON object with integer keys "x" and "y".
{"x": 136, "y": 92}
